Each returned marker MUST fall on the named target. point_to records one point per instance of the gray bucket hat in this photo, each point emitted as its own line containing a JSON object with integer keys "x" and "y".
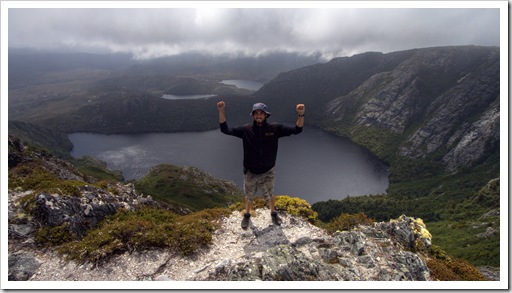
{"x": 262, "y": 107}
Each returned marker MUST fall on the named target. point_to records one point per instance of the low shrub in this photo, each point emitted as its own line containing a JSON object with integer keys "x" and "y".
{"x": 54, "y": 235}
{"x": 128, "y": 231}
{"x": 440, "y": 271}
{"x": 454, "y": 270}
{"x": 346, "y": 222}
{"x": 297, "y": 207}
{"x": 32, "y": 177}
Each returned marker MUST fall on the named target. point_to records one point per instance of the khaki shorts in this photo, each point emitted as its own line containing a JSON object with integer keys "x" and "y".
{"x": 263, "y": 182}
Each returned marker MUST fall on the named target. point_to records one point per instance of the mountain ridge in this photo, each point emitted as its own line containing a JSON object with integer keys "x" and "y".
{"x": 433, "y": 101}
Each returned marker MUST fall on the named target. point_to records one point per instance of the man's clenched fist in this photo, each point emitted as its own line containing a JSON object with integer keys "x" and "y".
{"x": 300, "y": 109}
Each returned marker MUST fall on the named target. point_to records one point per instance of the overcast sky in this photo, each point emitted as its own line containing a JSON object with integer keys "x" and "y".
{"x": 334, "y": 32}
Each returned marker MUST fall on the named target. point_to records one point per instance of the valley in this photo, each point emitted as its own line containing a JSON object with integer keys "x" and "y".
{"x": 431, "y": 114}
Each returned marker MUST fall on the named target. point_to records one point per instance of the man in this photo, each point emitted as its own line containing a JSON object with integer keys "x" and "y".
{"x": 260, "y": 142}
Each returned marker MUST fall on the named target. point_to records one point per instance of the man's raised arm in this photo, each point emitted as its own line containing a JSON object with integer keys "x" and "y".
{"x": 222, "y": 115}
{"x": 300, "y": 108}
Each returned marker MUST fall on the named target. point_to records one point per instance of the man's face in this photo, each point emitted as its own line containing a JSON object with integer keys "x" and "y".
{"x": 259, "y": 116}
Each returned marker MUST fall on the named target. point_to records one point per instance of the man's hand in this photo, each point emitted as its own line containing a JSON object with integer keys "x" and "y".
{"x": 222, "y": 117}
{"x": 221, "y": 105}
{"x": 300, "y": 109}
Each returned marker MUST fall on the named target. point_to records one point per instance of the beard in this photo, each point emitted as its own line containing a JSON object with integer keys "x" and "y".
{"x": 259, "y": 121}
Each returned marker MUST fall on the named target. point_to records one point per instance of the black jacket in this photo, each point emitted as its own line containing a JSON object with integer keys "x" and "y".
{"x": 260, "y": 143}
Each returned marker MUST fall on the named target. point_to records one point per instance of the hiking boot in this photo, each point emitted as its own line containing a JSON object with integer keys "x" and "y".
{"x": 246, "y": 220}
{"x": 275, "y": 218}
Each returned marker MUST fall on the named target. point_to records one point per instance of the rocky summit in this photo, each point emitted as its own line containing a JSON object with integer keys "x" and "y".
{"x": 294, "y": 251}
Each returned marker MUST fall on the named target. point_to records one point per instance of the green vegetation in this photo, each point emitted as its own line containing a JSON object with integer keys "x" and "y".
{"x": 187, "y": 186}
{"x": 34, "y": 177}
{"x": 297, "y": 207}
{"x": 379, "y": 141}
{"x": 460, "y": 240}
{"x": 345, "y": 222}
{"x": 445, "y": 268}
{"x": 54, "y": 235}
{"x": 454, "y": 270}
{"x": 453, "y": 211}
{"x": 97, "y": 169}
{"x": 128, "y": 231}
{"x": 149, "y": 228}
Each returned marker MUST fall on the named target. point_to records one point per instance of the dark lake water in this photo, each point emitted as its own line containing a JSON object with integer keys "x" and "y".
{"x": 186, "y": 97}
{"x": 313, "y": 165}
{"x": 239, "y": 83}
{"x": 244, "y": 84}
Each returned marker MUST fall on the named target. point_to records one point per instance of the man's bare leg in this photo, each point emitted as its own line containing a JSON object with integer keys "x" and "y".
{"x": 247, "y": 215}
{"x": 272, "y": 204}
{"x": 248, "y": 205}
{"x": 275, "y": 217}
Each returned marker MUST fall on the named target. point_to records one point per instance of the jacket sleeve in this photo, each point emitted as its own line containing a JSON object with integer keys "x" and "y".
{"x": 238, "y": 131}
{"x": 284, "y": 130}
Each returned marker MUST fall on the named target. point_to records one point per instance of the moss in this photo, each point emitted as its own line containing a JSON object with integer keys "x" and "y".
{"x": 28, "y": 203}
{"x": 421, "y": 229}
{"x": 54, "y": 235}
{"x": 438, "y": 253}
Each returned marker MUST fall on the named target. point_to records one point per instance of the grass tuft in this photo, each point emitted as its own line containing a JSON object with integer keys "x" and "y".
{"x": 128, "y": 231}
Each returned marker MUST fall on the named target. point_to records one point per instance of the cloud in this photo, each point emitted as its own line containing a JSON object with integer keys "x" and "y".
{"x": 155, "y": 32}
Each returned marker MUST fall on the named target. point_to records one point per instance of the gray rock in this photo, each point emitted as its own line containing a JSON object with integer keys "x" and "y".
{"x": 87, "y": 211}
{"x": 22, "y": 265}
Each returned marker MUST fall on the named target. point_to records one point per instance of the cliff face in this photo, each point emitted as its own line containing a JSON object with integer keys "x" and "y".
{"x": 444, "y": 100}
{"x": 441, "y": 102}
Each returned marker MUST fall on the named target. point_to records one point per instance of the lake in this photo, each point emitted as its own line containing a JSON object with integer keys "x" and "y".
{"x": 244, "y": 84}
{"x": 186, "y": 97}
{"x": 313, "y": 165}
{"x": 239, "y": 83}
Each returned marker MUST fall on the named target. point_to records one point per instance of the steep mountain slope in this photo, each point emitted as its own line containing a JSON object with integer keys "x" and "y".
{"x": 437, "y": 102}
{"x": 318, "y": 84}
{"x": 442, "y": 99}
